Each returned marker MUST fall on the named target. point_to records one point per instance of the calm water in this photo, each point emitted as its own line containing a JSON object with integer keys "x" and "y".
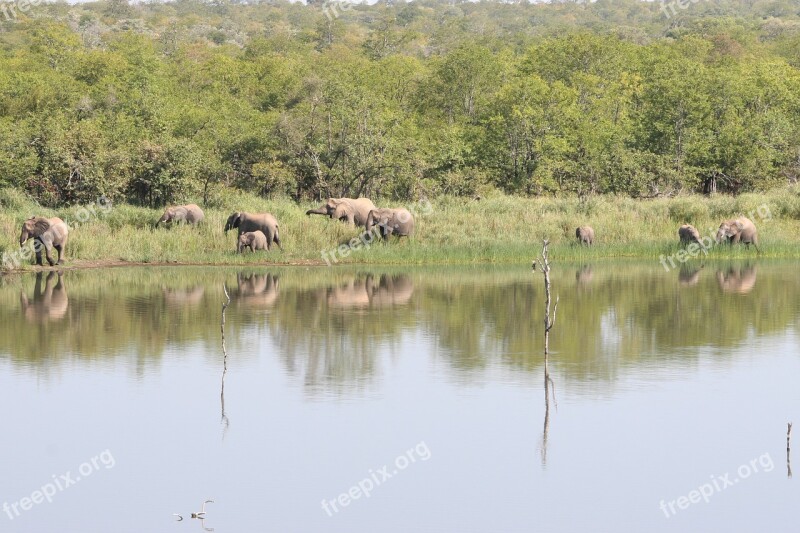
{"x": 421, "y": 389}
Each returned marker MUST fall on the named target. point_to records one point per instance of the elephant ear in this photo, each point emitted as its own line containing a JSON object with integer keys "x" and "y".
{"x": 236, "y": 220}
{"x": 40, "y": 226}
{"x": 229, "y": 223}
{"x": 739, "y": 225}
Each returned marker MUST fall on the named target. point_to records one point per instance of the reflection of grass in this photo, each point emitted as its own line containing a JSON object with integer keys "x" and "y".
{"x": 497, "y": 229}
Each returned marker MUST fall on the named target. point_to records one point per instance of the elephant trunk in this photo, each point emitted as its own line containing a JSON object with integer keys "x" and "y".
{"x": 23, "y": 236}
{"x": 317, "y": 211}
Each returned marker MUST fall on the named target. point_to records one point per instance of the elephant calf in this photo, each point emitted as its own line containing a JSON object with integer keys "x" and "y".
{"x": 739, "y": 230}
{"x": 398, "y": 222}
{"x": 190, "y": 213}
{"x": 255, "y": 240}
{"x": 585, "y": 235}
{"x": 688, "y": 234}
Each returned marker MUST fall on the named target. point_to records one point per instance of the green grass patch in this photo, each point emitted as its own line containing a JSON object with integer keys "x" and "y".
{"x": 497, "y": 229}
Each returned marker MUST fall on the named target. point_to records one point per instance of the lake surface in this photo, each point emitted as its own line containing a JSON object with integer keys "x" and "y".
{"x": 389, "y": 400}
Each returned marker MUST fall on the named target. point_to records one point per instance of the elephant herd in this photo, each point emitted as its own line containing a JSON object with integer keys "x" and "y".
{"x": 740, "y": 230}
{"x": 255, "y": 231}
{"x": 259, "y": 231}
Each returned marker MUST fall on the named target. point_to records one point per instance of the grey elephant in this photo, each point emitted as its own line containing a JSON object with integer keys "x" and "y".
{"x": 738, "y": 230}
{"x": 48, "y": 233}
{"x": 688, "y": 234}
{"x": 189, "y": 213}
{"x": 47, "y": 305}
{"x": 391, "y": 221}
{"x": 266, "y": 223}
{"x": 585, "y": 235}
{"x": 350, "y": 210}
{"x": 254, "y": 240}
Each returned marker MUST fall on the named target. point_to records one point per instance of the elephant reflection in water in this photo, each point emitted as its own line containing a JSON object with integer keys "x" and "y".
{"x": 740, "y": 280}
{"x": 688, "y": 277}
{"x": 584, "y": 275}
{"x": 365, "y": 292}
{"x": 391, "y": 291}
{"x": 49, "y": 304}
{"x": 190, "y": 297}
{"x": 256, "y": 290}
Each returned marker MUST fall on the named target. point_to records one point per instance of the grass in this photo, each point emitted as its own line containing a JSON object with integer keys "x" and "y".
{"x": 496, "y": 229}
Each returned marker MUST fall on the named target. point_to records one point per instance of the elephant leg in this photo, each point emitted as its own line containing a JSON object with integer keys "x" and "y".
{"x": 48, "y": 255}
{"x": 278, "y": 241}
{"x": 38, "y": 244}
{"x": 59, "y": 249}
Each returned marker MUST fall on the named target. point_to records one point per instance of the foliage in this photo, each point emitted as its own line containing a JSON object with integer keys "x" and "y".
{"x": 154, "y": 103}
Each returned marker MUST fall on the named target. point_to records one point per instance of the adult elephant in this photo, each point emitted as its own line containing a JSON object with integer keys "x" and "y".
{"x": 352, "y": 210}
{"x": 738, "y": 230}
{"x": 585, "y": 235}
{"x": 266, "y": 223}
{"x": 189, "y": 213}
{"x": 688, "y": 234}
{"x": 48, "y": 233}
{"x": 391, "y": 221}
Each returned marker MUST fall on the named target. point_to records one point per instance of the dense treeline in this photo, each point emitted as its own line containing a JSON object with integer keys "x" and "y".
{"x": 159, "y": 103}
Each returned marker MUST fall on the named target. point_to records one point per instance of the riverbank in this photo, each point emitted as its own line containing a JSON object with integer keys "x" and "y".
{"x": 496, "y": 229}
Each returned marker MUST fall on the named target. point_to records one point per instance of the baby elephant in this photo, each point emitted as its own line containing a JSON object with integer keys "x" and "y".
{"x": 585, "y": 235}
{"x": 255, "y": 240}
{"x": 688, "y": 234}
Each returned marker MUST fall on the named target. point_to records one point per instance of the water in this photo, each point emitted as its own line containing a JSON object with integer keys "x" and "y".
{"x": 423, "y": 388}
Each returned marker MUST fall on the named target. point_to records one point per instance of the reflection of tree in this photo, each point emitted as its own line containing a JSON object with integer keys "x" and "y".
{"x": 48, "y": 304}
{"x": 330, "y": 335}
{"x": 329, "y": 324}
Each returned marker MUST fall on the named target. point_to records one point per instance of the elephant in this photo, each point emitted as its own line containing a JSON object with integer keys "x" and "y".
{"x": 391, "y": 221}
{"x": 48, "y": 233}
{"x": 737, "y": 280}
{"x": 352, "y": 210}
{"x": 585, "y": 235}
{"x": 738, "y": 230}
{"x": 255, "y": 240}
{"x": 48, "y": 305}
{"x": 190, "y": 213}
{"x": 688, "y": 234}
{"x": 266, "y": 223}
